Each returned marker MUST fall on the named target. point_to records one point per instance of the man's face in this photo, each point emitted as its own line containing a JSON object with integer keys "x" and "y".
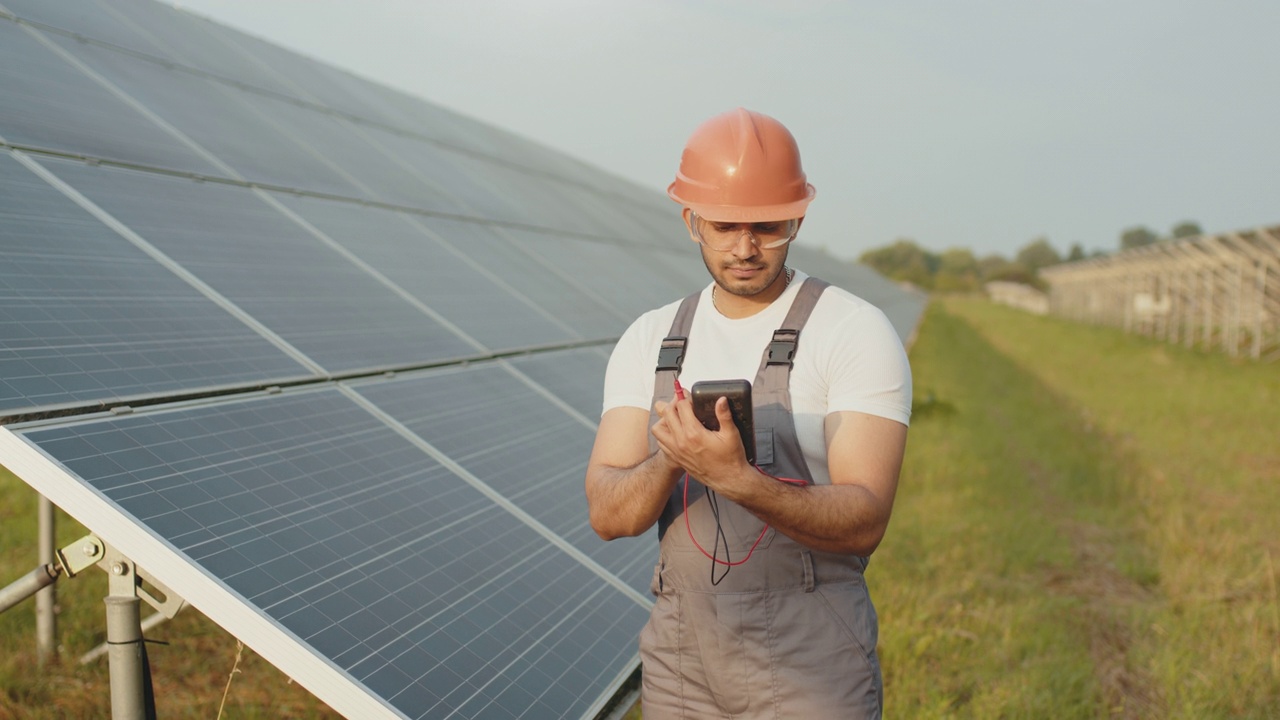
{"x": 746, "y": 270}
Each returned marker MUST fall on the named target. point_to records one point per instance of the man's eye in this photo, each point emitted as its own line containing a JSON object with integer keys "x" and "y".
{"x": 725, "y": 227}
{"x": 767, "y": 228}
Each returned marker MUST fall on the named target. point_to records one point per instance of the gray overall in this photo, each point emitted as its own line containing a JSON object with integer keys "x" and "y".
{"x": 789, "y": 634}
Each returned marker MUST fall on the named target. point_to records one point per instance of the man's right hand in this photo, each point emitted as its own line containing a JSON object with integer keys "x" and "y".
{"x": 627, "y": 486}
{"x": 704, "y": 454}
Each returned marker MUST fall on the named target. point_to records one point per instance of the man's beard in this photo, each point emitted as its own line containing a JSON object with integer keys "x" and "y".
{"x": 720, "y": 273}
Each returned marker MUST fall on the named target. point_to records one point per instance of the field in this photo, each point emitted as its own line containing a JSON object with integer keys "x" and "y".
{"x": 1085, "y": 528}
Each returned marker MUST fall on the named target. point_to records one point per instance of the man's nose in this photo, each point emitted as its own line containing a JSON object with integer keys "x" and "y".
{"x": 746, "y": 246}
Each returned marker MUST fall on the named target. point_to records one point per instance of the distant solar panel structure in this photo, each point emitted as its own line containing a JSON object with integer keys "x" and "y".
{"x": 325, "y": 359}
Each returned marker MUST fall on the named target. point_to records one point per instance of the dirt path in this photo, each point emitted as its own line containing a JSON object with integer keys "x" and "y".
{"x": 1109, "y": 600}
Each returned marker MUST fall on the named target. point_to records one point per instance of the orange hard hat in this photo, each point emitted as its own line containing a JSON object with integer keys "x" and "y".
{"x": 742, "y": 166}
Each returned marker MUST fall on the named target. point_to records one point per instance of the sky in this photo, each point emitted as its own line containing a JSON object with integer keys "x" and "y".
{"x": 983, "y": 125}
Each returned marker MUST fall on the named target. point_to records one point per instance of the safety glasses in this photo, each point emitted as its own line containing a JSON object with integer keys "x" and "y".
{"x": 724, "y": 236}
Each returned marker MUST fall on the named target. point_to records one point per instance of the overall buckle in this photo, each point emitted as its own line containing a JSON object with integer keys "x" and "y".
{"x": 783, "y": 347}
{"x": 671, "y": 354}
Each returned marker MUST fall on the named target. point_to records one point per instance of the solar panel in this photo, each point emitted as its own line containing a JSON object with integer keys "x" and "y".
{"x": 531, "y": 453}
{"x": 440, "y": 274}
{"x": 88, "y": 318}
{"x": 186, "y": 39}
{"x": 50, "y": 103}
{"x": 86, "y": 19}
{"x": 317, "y": 83}
{"x": 520, "y": 266}
{"x": 454, "y": 173}
{"x": 625, "y": 279}
{"x": 535, "y": 200}
{"x": 353, "y": 96}
{"x": 213, "y": 116}
{"x": 402, "y": 529}
{"x": 565, "y": 374}
{"x": 302, "y": 519}
{"x": 331, "y": 310}
{"x": 353, "y": 150}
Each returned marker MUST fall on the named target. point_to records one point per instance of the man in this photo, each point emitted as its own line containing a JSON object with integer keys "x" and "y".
{"x": 762, "y": 610}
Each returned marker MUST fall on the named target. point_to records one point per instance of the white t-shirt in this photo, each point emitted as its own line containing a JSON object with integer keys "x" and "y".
{"x": 848, "y": 358}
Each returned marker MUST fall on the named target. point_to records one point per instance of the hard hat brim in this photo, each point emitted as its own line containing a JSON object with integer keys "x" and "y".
{"x": 754, "y": 213}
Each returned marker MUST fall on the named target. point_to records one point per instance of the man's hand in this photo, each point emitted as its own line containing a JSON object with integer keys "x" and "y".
{"x": 713, "y": 457}
{"x": 864, "y": 454}
{"x": 627, "y": 485}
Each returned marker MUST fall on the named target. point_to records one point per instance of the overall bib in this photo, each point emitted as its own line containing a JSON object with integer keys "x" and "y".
{"x": 789, "y": 634}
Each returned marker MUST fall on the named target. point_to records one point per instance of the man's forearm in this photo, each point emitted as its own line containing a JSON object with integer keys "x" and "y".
{"x": 625, "y": 502}
{"x": 832, "y": 518}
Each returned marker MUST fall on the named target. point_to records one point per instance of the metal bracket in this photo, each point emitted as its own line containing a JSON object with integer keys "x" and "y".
{"x": 125, "y": 579}
{"x": 170, "y": 606}
{"x": 83, "y": 553}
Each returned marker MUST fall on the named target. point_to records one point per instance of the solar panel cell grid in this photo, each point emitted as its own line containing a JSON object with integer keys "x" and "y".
{"x": 86, "y": 316}
{"x": 328, "y": 308}
{"x": 535, "y": 200}
{"x": 305, "y": 79}
{"x": 88, "y": 19}
{"x": 521, "y": 268}
{"x": 570, "y": 375}
{"x": 626, "y": 279}
{"x": 352, "y": 150}
{"x": 611, "y": 221}
{"x": 436, "y": 272}
{"x": 49, "y": 103}
{"x": 362, "y": 546}
{"x": 530, "y": 451}
{"x": 448, "y": 170}
{"x": 214, "y": 117}
{"x": 185, "y": 39}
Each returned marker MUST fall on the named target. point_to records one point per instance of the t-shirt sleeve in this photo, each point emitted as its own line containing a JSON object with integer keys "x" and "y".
{"x": 869, "y": 370}
{"x": 628, "y": 379}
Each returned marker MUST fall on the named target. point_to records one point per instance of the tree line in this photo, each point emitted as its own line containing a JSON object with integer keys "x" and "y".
{"x": 959, "y": 270}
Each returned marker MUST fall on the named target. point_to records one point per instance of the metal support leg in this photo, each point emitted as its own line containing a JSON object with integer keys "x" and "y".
{"x": 131, "y": 697}
{"x": 124, "y": 638}
{"x": 46, "y": 599}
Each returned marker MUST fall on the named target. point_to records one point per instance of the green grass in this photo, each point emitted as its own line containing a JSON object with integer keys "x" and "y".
{"x": 1204, "y": 431}
{"x": 1081, "y": 527}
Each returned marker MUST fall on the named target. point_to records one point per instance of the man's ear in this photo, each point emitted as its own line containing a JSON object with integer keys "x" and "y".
{"x": 687, "y": 214}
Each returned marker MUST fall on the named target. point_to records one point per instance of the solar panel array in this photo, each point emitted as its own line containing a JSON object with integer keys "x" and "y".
{"x": 354, "y": 344}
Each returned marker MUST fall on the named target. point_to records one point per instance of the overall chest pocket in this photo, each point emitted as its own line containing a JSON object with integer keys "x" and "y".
{"x": 764, "y": 446}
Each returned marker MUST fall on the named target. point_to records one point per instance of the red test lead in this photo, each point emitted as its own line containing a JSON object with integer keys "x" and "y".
{"x": 679, "y": 389}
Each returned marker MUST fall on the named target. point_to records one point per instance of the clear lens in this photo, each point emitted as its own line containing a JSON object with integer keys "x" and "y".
{"x": 724, "y": 236}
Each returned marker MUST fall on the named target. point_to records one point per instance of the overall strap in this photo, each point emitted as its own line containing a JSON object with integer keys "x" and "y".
{"x": 774, "y": 373}
{"x": 671, "y": 353}
{"x": 670, "y": 360}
